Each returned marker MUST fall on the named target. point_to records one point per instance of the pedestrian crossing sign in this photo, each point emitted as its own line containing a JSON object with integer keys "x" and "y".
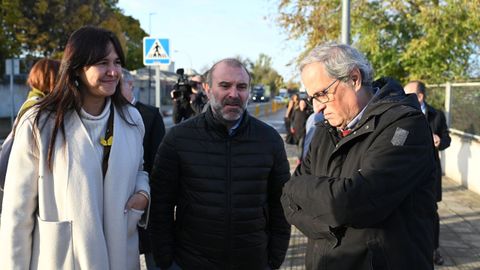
{"x": 156, "y": 51}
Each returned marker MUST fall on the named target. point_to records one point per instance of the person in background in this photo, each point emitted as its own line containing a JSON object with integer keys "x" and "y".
{"x": 441, "y": 140}
{"x": 154, "y": 132}
{"x": 223, "y": 171}
{"x": 187, "y": 104}
{"x": 76, "y": 168}
{"x": 198, "y": 99}
{"x": 152, "y": 120}
{"x": 299, "y": 119}
{"x": 291, "y": 106}
{"x": 315, "y": 118}
{"x": 363, "y": 195}
{"x": 41, "y": 80}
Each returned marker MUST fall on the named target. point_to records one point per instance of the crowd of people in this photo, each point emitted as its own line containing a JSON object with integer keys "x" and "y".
{"x": 92, "y": 180}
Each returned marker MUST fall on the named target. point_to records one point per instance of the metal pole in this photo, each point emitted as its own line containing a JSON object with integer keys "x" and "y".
{"x": 157, "y": 86}
{"x": 448, "y": 102}
{"x": 346, "y": 21}
{"x": 11, "y": 90}
{"x": 150, "y": 22}
{"x": 149, "y": 85}
{"x": 149, "y": 68}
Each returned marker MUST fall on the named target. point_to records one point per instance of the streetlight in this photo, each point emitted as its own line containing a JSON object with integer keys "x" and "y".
{"x": 149, "y": 69}
{"x": 150, "y": 22}
{"x": 189, "y": 58}
{"x": 346, "y": 21}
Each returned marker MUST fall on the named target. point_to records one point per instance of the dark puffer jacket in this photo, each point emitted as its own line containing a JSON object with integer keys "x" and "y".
{"x": 366, "y": 201}
{"x": 226, "y": 190}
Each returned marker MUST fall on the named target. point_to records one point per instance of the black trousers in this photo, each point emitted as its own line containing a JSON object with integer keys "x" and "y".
{"x": 436, "y": 228}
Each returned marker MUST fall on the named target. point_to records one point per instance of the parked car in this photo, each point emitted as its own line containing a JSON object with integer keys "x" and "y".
{"x": 280, "y": 99}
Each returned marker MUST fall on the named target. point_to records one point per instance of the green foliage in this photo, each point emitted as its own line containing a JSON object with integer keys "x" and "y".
{"x": 40, "y": 28}
{"x": 263, "y": 73}
{"x": 436, "y": 97}
{"x": 133, "y": 34}
{"x": 9, "y": 48}
{"x": 292, "y": 85}
{"x": 433, "y": 41}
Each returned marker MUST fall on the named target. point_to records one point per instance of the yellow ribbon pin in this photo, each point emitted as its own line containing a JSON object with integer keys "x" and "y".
{"x": 106, "y": 142}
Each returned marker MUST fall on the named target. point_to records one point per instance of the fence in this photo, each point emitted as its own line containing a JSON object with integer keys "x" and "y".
{"x": 460, "y": 101}
{"x": 264, "y": 109}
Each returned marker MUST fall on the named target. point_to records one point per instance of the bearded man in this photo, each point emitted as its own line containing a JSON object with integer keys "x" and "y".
{"x": 223, "y": 171}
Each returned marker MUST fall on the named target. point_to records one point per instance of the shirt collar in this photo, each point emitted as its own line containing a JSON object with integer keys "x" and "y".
{"x": 234, "y": 128}
{"x": 424, "y": 108}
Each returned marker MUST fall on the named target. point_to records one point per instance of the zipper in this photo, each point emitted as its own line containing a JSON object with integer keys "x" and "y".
{"x": 229, "y": 205}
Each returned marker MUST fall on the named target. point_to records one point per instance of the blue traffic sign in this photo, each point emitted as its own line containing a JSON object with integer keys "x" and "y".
{"x": 156, "y": 51}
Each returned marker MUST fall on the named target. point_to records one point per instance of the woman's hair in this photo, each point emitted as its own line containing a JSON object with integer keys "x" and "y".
{"x": 42, "y": 75}
{"x": 85, "y": 47}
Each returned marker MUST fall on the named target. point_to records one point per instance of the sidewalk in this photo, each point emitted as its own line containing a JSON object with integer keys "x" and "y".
{"x": 459, "y": 228}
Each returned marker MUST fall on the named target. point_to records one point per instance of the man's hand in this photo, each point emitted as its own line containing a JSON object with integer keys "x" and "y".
{"x": 436, "y": 140}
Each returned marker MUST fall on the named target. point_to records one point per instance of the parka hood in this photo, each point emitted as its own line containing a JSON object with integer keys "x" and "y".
{"x": 390, "y": 93}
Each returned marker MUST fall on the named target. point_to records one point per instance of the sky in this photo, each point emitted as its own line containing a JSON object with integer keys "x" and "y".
{"x": 202, "y": 32}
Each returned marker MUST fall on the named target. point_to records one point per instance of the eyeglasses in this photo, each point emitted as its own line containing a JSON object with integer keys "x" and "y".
{"x": 322, "y": 95}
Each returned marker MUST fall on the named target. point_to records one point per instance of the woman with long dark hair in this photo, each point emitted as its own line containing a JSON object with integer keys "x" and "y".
{"x": 75, "y": 188}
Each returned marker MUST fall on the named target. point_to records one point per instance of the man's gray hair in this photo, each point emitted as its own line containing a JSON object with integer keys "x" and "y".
{"x": 339, "y": 61}
{"x": 127, "y": 76}
{"x": 231, "y": 62}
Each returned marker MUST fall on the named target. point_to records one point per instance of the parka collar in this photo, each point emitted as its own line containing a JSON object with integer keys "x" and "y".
{"x": 215, "y": 124}
{"x": 390, "y": 94}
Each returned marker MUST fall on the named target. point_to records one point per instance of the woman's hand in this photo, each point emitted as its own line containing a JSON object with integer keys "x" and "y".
{"x": 137, "y": 201}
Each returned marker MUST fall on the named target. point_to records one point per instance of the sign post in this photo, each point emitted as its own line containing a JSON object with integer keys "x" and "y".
{"x": 156, "y": 52}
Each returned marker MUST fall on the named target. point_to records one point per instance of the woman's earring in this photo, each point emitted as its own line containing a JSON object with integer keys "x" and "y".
{"x": 76, "y": 82}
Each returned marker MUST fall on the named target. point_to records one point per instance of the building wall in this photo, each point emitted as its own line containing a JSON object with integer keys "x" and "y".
{"x": 20, "y": 92}
{"x": 461, "y": 161}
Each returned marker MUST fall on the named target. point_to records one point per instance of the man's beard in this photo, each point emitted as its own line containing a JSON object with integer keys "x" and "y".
{"x": 233, "y": 114}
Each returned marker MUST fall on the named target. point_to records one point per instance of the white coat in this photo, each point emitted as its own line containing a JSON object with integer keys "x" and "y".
{"x": 70, "y": 217}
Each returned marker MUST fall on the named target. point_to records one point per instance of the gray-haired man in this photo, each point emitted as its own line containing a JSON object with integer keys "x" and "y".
{"x": 154, "y": 132}
{"x": 364, "y": 193}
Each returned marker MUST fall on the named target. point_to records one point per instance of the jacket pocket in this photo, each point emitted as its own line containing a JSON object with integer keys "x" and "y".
{"x": 376, "y": 256}
{"x": 134, "y": 217}
{"x": 52, "y": 245}
{"x": 180, "y": 214}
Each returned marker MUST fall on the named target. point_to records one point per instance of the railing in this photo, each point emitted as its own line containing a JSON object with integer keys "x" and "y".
{"x": 264, "y": 109}
{"x": 461, "y": 103}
